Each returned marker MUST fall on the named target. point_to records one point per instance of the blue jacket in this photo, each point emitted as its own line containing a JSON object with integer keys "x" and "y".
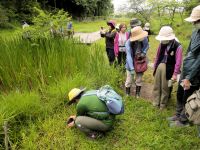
{"x": 129, "y": 53}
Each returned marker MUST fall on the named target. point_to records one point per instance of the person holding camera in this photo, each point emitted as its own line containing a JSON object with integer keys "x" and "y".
{"x": 136, "y": 49}
{"x": 93, "y": 117}
{"x": 167, "y": 65}
{"x": 109, "y": 36}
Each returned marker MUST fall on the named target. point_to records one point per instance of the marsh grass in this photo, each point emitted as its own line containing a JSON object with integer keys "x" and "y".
{"x": 37, "y": 76}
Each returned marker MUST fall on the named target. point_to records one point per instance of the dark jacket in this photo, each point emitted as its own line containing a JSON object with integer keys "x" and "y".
{"x": 191, "y": 63}
{"x": 171, "y": 59}
{"x": 110, "y": 36}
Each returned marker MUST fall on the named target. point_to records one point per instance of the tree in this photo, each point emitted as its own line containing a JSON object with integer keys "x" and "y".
{"x": 166, "y": 8}
{"x": 174, "y": 6}
{"x": 190, "y": 4}
{"x": 44, "y": 21}
{"x": 139, "y": 7}
{"x": 3, "y": 16}
{"x": 23, "y": 10}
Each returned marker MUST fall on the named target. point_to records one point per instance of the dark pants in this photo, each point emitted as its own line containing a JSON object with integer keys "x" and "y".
{"x": 121, "y": 58}
{"x": 182, "y": 96}
{"x": 111, "y": 55}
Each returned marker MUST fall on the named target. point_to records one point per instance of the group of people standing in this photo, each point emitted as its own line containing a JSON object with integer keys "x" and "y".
{"x": 127, "y": 47}
{"x": 130, "y": 46}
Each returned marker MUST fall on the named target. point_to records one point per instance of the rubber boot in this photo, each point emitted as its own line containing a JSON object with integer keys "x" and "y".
{"x": 137, "y": 93}
{"x": 128, "y": 91}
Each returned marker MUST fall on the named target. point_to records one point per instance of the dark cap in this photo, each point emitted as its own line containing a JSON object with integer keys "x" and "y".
{"x": 135, "y": 22}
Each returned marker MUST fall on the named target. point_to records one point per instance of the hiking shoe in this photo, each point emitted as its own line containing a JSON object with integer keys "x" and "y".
{"x": 173, "y": 118}
{"x": 179, "y": 124}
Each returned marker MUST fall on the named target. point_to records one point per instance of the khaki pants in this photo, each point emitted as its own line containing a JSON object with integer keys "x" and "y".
{"x": 161, "y": 89}
{"x": 89, "y": 125}
{"x": 129, "y": 79}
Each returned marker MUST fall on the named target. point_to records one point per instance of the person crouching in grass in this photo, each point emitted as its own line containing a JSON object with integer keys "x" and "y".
{"x": 92, "y": 116}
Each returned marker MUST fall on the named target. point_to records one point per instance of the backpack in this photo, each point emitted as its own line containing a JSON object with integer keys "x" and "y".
{"x": 112, "y": 100}
{"x": 192, "y": 107}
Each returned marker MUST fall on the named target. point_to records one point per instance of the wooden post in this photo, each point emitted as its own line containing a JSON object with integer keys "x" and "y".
{"x": 5, "y": 127}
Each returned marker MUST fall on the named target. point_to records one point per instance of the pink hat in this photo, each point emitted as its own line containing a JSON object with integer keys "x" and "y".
{"x": 111, "y": 22}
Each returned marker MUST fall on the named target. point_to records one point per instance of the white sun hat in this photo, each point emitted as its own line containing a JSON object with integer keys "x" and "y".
{"x": 195, "y": 15}
{"x": 166, "y": 34}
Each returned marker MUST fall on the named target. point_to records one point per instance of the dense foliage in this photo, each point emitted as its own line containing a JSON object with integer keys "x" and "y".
{"x": 12, "y": 10}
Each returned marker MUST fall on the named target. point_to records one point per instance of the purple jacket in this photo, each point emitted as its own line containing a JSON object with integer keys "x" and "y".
{"x": 116, "y": 43}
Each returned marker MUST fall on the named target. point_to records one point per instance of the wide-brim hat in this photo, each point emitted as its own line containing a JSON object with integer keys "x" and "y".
{"x": 137, "y": 33}
{"x": 195, "y": 15}
{"x": 135, "y": 22}
{"x": 74, "y": 93}
{"x": 166, "y": 34}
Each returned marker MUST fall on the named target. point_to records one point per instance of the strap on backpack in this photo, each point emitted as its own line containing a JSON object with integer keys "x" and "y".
{"x": 91, "y": 92}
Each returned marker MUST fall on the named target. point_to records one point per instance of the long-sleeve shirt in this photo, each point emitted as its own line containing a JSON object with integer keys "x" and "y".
{"x": 116, "y": 42}
{"x": 109, "y": 36}
{"x": 178, "y": 56}
{"x": 129, "y": 53}
{"x": 93, "y": 107}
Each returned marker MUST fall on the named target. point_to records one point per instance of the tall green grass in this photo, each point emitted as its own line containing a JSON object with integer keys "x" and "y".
{"x": 35, "y": 77}
{"x": 26, "y": 65}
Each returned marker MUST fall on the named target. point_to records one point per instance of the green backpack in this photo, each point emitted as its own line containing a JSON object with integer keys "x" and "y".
{"x": 192, "y": 107}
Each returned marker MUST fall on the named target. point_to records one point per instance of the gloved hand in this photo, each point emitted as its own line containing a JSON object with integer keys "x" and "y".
{"x": 132, "y": 72}
{"x": 143, "y": 55}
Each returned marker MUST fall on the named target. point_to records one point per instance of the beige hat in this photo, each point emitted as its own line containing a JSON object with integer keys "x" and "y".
{"x": 137, "y": 33}
{"x": 195, "y": 15}
{"x": 166, "y": 34}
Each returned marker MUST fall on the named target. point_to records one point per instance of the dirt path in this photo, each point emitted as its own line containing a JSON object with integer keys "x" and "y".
{"x": 88, "y": 38}
{"x": 146, "y": 91}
